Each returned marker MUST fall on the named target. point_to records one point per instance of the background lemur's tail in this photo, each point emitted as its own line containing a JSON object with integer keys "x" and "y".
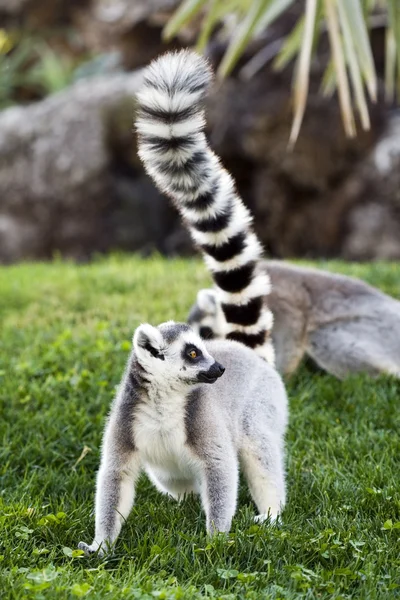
{"x": 175, "y": 153}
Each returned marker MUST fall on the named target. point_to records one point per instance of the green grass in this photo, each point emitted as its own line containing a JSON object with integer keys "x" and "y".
{"x": 65, "y": 336}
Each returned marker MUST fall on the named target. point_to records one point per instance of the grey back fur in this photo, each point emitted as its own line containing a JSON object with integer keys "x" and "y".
{"x": 345, "y": 325}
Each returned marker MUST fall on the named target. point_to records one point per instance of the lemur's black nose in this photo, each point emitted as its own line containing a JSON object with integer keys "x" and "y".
{"x": 213, "y": 373}
{"x": 216, "y": 370}
{"x": 220, "y": 368}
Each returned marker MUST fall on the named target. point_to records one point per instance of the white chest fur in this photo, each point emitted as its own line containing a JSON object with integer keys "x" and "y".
{"x": 160, "y": 437}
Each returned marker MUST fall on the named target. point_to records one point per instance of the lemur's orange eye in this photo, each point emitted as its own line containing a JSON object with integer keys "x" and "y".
{"x": 193, "y": 354}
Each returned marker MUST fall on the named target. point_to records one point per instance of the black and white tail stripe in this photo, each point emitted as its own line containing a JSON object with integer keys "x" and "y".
{"x": 175, "y": 153}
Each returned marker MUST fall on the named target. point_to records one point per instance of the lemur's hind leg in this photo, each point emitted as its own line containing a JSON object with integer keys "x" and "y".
{"x": 353, "y": 347}
{"x": 262, "y": 464}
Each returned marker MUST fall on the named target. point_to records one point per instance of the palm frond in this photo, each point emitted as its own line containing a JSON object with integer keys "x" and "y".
{"x": 346, "y": 23}
{"x": 185, "y": 13}
{"x": 303, "y": 70}
{"x": 358, "y": 32}
{"x": 355, "y": 69}
{"x": 328, "y": 84}
{"x": 291, "y": 46}
{"x": 390, "y": 67}
{"x": 394, "y": 28}
{"x": 340, "y": 67}
{"x": 243, "y": 35}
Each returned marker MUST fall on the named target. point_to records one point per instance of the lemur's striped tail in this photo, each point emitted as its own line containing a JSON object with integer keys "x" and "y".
{"x": 175, "y": 153}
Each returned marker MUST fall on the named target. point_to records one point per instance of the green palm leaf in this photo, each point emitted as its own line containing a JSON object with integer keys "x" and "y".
{"x": 340, "y": 67}
{"x": 346, "y": 23}
{"x": 353, "y": 15}
{"x": 185, "y": 13}
{"x": 303, "y": 70}
{"x": 242, "y": 37}
{"x": 353, "y": 60}
{"x": 394, "y": 36}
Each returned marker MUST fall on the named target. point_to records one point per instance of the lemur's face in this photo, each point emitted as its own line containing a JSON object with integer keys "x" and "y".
{"x": 174, "y": 355}
{"x": 206, "y": 317}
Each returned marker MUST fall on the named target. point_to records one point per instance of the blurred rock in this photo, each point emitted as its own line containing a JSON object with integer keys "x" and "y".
{"x": 373, "y": 233}
{"x": 119, "y": 16}
{"x": 131, "y": 28}
{"x": 19, "y": 238}
{"x": 57, "y": 186}
{"x": 140, "y": 218}
{"x": 373, "y": 225}
{"x": 35, "y": 14}
{"x": 12, "y": 8}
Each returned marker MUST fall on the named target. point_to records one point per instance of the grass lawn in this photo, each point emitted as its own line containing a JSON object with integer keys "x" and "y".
{"x": 65, "y": 337}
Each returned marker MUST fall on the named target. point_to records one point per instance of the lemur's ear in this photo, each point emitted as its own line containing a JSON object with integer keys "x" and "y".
{"x": 207, "y": 301}
{"x": 148, "y": 339}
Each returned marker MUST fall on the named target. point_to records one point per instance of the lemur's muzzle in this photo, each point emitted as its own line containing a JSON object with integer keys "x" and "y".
{"x": 213, "y": 373}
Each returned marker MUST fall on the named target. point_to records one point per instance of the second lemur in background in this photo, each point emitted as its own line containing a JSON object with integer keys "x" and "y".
{"x": 343, "y": 324}
{"x": 174, "y": 150}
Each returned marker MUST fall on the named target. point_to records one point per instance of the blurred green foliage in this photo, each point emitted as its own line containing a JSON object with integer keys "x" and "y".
{"x": 31, "y": 69}
{"x": 350, "y": 69}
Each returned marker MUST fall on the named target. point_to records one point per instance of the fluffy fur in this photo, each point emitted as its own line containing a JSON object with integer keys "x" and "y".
{"x": 174, "y": 150}
{"x": 175, "y": 417}
{"x": 343, "y": 324}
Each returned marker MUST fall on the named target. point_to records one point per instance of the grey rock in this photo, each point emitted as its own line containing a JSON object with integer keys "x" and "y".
{"x": 55, "y": 179}
{"x": 12, "y": 7}
{"x": 373, "y": 223}
{"x": 131, "y": 28}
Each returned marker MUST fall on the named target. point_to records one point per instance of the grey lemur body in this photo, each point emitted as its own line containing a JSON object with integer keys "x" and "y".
{"x": 345, "y": 325}
{"x": 174, "y": 417}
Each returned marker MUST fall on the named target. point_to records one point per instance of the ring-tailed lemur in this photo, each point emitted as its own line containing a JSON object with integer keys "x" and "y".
{"x": 189, "y": 436}
{"x": 345, "y": 325}
{"x": 175, "y": 153}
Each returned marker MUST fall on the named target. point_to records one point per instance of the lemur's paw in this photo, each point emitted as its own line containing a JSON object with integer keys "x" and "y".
{"x": 272, "y": 518}
{"x": 89, "y": 550}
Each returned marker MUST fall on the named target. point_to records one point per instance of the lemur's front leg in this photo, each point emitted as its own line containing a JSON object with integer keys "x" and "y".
{"x": 219, "y": 492}
{"x": 115, "y": 490}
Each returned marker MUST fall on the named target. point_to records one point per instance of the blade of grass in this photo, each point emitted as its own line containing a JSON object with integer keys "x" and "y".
{"x": 294, "y": 39}
{"x": 303, "y": 70}
{"x": 215, "y": 13}
{"x": 328, "y": 85}
{"x": 394, "y": 25}
{"x": 274, "y": 9}
{"x": 291, "y": 45}
{"x": 243, "y": 36}
{"x": 259, "y": 60}
{"x": 340, "y": 67}
{"x": 359, "y": 33}
{"x": 185, "y": 13}
{"x": 213, "y": 16}
{"x": 354, "y": 67}
{"x": 390, "y": 66}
